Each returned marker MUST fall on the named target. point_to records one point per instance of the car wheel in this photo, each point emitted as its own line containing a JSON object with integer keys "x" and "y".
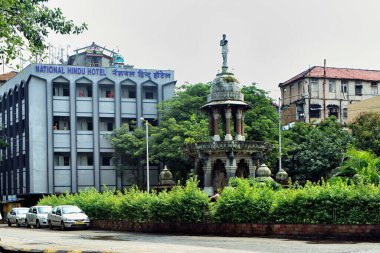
{"x": 27, "y": 224}
{"x": 38, "y": 225}
{"x": 17, "y": 224}
{"x": 50, "y": 225}
{"x": 9, "y": 223}
{"x": 63, "y": 226}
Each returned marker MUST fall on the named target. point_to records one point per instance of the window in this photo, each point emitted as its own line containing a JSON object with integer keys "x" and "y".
{"x": 61, "y": 89}
{"x": 150, "y": 92}
{"x": 61, "y": 159}
{"x": 345, "y": 113}
{"x": 149, "y": 95}
{"x": 334, "y": 111}
{"x": 89, "y": 92}
{"x": 66, "y": 161}
{"x": 90, "y": 161}
{"x": 109, "y": 126}
{"x": 374, "y": 90}
{"x": 106, "y": 160}
{"x": 109, "y": 93}
{"x": 84, "y": 90}
{"x": 84, "y": 124}
{"x": 85, "y": 159}
{"x": 131, "y": 93}
{"x": 315, "y": 111}
{"x": 106, "y": 124}
{"x": 66, "y": 92}
{"x": 344, "y": 86}
{"x": 61, "y": 123}
{"x": 314, "y": 85}
{"x": 332, "y": 86}
{"x": 358, "y": 89}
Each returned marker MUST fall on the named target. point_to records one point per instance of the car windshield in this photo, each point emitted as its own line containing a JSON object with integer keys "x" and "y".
{"x": 21, "y": 211}
{"x": 71, "y": 209}
{"x": 44, "y": 209}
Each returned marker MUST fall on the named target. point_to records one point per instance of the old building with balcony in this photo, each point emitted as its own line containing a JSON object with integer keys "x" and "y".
{"x": 320, "y": 92}
{"x": 57, "y": 119}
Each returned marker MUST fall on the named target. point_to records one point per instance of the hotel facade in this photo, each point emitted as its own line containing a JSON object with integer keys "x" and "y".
{"x": 57, "y": 119}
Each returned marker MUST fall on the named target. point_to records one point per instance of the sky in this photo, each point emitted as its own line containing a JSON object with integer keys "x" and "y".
{"x": 270, "y": 41}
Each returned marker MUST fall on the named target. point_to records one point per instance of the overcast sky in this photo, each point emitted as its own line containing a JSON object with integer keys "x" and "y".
{"x": 269, "y": 41}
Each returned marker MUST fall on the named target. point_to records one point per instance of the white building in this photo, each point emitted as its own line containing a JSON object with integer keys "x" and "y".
{"x": 319, "y": 92}
{"x": 56, "y": 119}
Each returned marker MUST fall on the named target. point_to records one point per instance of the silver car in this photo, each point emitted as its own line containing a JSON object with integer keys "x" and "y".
{"x": 17, "y": 216}
{"x": 67, "y": 216}
{"x": 37, "y": 216}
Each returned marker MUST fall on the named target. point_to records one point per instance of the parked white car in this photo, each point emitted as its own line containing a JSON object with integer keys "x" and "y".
{"x": 67, "y": 217}
{"x": 17, "y": 216}
{"x": 37, "y": 216}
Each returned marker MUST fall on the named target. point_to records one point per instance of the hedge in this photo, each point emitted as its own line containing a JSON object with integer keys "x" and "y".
{"x": 244, "y": 201}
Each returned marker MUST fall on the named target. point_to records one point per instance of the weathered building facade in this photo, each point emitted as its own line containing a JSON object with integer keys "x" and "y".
{"x": 320, "y": 92}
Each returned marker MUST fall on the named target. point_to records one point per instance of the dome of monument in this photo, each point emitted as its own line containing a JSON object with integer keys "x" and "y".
{"x": 282, "y": 177}
{"x": 225, "y": 87}
{"x": 263, "y": 171}
{"x": 166, "y": 177}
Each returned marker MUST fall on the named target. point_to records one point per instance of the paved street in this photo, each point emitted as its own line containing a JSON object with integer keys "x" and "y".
{"x": 135, "y": 242}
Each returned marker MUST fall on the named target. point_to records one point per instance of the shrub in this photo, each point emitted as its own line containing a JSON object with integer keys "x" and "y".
{"x": 334, "y": 202}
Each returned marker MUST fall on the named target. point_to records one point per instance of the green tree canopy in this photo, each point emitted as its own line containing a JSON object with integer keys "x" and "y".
{"x": 187, "y": 102}
{"x": 313, "y": 151}
{"x": 366, "y": 132}
{"x": 361, "y": 166}
{"x": 182, "y": 122}
{"x": 261, "y": 120}
{"x": 24, "y": 25}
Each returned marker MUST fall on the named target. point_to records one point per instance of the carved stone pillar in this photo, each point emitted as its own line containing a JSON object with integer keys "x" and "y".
{"x": 242, "y": 126}
{"x": 239, "y": 116}
{"x": 231, "y": 171}
{"x": 252, "y": 169}
{"x": 207, "y": 176}
{"x": 216, "y": 116}
{"x": 210, "y": 123}
{"x": 228, "y": 136}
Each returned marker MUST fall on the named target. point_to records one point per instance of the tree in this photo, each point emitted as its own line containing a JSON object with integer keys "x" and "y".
{"x": 313, "y": 151}
{"x": 182, "y": 122}
{"x": 25, "y": 24}
{"x": 366, "y": 132}
{"x": 261, "y": 120}
{"x": 361, "y": 166}
{"x": 187, "y": 102}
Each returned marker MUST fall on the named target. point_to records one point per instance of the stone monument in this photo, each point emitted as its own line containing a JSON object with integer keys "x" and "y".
{"x": 227, "y": 154}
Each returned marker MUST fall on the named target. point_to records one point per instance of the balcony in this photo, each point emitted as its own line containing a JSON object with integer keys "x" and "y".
{"x": 128, "y": 107}
{"x": 149, "y": 108}
{"x": 61, "y": 104}
{"x": 61, "y": 139}
{"x": 85, "y": 140}
{"x": 106, "y": 106}
{"x": 84, "y": 106}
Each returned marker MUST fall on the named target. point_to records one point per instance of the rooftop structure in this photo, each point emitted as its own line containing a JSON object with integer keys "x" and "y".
{"x": 320, "y": 92}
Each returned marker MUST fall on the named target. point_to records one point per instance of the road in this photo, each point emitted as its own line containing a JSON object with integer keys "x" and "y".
{"x": 136, "y": 242}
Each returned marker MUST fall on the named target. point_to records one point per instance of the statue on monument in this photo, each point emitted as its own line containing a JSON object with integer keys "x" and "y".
{"x": 224, "y": 45}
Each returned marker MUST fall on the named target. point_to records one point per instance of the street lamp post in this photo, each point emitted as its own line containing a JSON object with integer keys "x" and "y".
{"x": 147, "y": 153}
{"x": 279, "y": 135}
